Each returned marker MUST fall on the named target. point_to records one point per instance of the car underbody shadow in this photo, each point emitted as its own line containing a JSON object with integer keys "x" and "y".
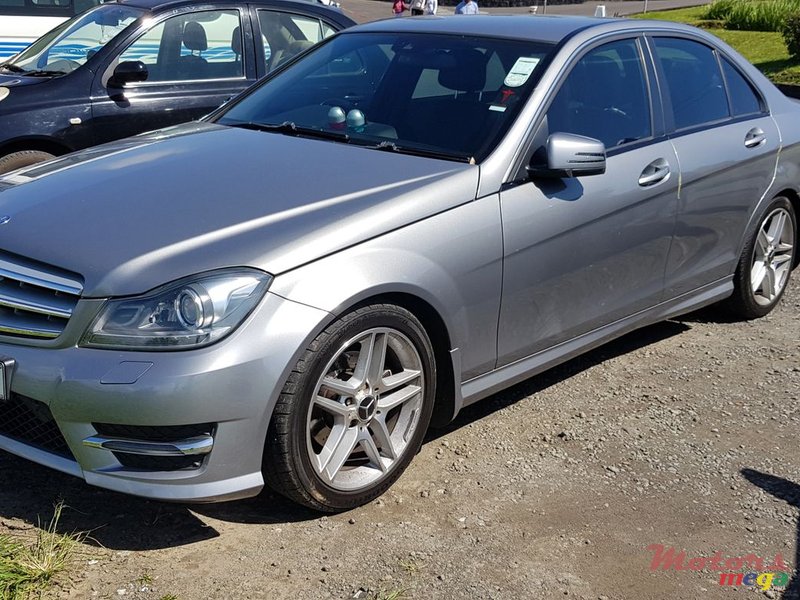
{"x": 623, "y": 345}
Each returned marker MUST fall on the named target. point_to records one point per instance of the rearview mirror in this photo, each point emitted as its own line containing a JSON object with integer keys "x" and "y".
{"x": 128, "y": 71}
{"x": 570, "y": 155}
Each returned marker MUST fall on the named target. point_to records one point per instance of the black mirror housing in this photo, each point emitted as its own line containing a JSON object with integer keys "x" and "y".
{"x": 129, "y": 71}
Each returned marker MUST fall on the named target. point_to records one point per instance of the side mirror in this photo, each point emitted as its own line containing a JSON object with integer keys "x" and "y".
{"x": 128, "y": 71}
{"x": 570, "y": 155}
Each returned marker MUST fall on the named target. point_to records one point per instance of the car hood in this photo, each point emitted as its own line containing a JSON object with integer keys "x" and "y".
{"x": 13, "y": 80}
{"x": 135, "y": 214}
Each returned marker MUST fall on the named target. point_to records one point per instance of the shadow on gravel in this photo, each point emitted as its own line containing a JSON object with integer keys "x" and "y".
{"x": 789, "y": 492}
{"x": 121, "y": 522}
{"x": 627, "y": 343}
{"x": 709, "y": 314}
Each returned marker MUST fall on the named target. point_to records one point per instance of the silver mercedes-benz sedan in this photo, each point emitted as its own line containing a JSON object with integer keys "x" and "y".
{"x": 402, "y": 221}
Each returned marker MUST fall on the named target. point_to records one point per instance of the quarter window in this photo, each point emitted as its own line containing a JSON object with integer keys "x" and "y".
{"x": 694, "y": 82}
{"x": 604, "y": 97}
{"x": 194, "y": 46}
{"x": 744, "y": 99}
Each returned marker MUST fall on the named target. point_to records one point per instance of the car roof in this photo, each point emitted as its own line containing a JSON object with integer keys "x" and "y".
{"x": 158, "y": 5}
{"x": 544, "y": 28}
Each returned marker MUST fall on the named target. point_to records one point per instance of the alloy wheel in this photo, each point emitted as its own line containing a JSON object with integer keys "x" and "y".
{"x": 365, "y": 409}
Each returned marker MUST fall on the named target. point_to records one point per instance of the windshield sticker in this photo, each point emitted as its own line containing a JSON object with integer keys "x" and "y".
{"x": 497, "y": 107}
{"x": 521, "y": 71}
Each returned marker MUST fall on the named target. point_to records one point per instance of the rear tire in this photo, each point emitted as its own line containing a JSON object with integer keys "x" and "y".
{"x": 354, "y": 410}
{"x": 766, "y": 262}
{"x": 22, "y": 158}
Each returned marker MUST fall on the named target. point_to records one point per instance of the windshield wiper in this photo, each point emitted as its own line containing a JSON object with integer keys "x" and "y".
{"x": 42, "y": 73}
{"x": 290, "y": 128}
{"x": 12, "y": 68}
{"x": 393, "y": 147}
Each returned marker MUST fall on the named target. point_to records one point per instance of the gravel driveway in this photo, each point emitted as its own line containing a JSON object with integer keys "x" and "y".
{"x": 683, "y": 434}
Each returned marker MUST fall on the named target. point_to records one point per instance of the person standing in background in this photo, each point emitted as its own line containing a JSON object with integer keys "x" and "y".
{"x": 431, "y": 6}
{"x": 467, "y": 7}
{"x": 417, "y": 7}
{"x": 398, "y": 7}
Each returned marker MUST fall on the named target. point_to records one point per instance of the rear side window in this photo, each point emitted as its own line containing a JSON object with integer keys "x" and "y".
{"x": 744, "y": 99}
{"x": 604, "y": 97}
{"x": 286, "y": 35}
{"x": 694, "y": 81}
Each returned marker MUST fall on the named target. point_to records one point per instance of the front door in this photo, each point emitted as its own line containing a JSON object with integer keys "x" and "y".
{"x": 580, "y": 253}
{"x": 195, "y": 62}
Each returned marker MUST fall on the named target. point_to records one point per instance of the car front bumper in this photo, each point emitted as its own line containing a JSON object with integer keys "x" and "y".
{"x": 230, "y": 386}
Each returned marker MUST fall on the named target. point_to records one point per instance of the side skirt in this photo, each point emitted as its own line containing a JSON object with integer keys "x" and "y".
{"x": 485, "y": 385}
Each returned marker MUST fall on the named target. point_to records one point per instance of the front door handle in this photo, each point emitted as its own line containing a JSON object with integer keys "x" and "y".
{"x": 654, "y": 173}
{"x": 754, "y": 138}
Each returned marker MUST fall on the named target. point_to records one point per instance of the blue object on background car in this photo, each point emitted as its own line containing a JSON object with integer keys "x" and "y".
{"x": 127, "y": 67}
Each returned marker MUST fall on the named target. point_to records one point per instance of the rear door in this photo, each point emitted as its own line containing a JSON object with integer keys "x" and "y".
{"x": 727, "y": 146}
{"x": 284, "y": 34}
{"x": 196, "y": 60}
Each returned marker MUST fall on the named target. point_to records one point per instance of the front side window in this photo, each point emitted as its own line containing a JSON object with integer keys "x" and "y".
{"x": 451, "y": 95}
{"x": 70, "y": 45}
{"x": 188, "y": 47}
{"x": 694, "y": 82}
{"x": 284, "y": 35}
{"x": 604, "y": 97}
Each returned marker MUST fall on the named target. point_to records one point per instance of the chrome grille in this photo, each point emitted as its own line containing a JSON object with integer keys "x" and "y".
{"x": 35, "y": 302}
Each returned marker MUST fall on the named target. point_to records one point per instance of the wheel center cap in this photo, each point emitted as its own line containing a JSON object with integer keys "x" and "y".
{"x": 366, "y": 408}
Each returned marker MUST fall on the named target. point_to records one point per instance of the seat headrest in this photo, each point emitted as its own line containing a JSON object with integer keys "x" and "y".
{"x": 468, "y": 74}
{"x": 194, "y": 36}
{"x": 236, "y": 41}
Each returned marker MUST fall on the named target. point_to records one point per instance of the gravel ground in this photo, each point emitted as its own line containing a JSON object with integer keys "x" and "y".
{"x": 683, "y": 434}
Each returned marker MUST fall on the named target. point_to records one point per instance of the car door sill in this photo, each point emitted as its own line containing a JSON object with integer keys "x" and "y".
{"x": 485, "y": 385}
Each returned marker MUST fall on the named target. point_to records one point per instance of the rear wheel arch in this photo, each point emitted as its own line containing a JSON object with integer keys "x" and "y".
{"x": 794, "y": 198}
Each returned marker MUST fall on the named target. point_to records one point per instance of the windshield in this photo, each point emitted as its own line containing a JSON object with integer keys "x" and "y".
{"x": 72, "y": 43}
{"x": 444, "y": 96}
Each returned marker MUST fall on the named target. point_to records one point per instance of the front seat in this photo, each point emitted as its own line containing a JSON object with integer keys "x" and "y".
{"x": 193, "y": 66}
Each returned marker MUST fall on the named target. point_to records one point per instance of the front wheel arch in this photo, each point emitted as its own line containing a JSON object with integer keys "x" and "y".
{"x": 445, "y": 406}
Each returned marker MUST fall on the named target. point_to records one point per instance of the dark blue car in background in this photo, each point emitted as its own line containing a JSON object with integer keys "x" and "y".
{"x": 131, "y": 66}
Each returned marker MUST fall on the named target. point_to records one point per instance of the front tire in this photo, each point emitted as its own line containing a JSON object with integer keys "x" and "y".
{"x": 766, "y": 262}
{"x": 354, "y": 410}
{"x": 23, "y": 158}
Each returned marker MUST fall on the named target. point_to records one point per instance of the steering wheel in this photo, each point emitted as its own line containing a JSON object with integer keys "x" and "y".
{"x": 616, "y": 111}
{"x": 65, "y": 65}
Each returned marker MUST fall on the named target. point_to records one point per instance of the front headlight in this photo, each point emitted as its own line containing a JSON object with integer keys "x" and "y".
{"x": 192, "y": 312}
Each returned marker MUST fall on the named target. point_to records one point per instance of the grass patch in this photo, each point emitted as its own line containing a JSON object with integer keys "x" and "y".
{"x": 27, "y": 568}
{"x": 765, "y": 49}
{"x": 753, "y": 15}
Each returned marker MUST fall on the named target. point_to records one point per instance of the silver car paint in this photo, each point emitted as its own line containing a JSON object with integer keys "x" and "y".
{"x": 264, "y": 209}
{"x": 352, "y": 225}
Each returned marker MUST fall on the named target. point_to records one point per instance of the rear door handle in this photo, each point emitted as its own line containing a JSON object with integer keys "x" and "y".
{"x": 654, "y": 173}
{"x": 754, "y": 138}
